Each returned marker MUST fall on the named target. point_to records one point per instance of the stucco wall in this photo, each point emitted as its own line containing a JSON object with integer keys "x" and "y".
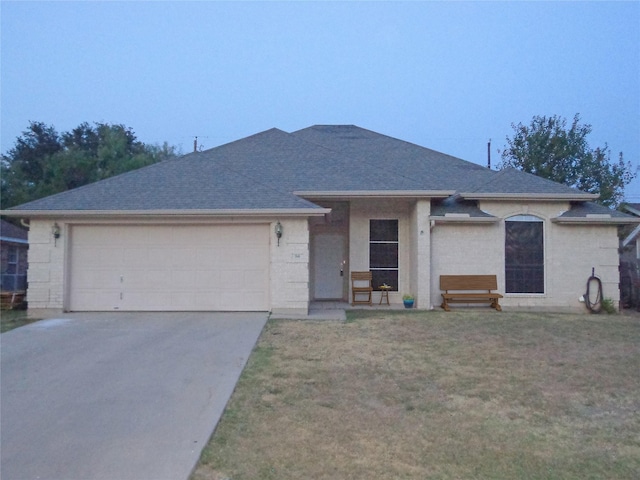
{"x": 45, "y": 271}
{"x": 290, "y": 268}
{"x": 570, "y": 253}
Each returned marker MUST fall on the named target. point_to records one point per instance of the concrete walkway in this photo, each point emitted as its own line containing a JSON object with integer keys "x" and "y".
{"x": 118, "y": 396}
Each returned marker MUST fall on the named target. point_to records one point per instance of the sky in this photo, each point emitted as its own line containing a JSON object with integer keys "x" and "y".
{"x": 450, "y": 76}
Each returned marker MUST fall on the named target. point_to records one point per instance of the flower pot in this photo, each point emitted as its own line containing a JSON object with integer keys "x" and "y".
{"x": 408, "y": 303}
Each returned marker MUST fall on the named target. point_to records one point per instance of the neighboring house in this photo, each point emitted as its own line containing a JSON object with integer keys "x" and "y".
{"x": 13, "y": 257}
{"x": 630, "y": 261}
{"x": 199, "y": 232}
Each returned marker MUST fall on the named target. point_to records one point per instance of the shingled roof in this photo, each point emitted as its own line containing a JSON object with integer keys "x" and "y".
{"x": 279, "y": 171}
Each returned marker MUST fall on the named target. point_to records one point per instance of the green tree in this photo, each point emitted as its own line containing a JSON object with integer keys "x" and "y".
{"x": 548, "y": 148}
{"x": 43, "y": 162}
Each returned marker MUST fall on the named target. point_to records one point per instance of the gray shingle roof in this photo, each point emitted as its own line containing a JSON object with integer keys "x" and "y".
{"x": 590, "y": 209}
{"x": 9, "y": 231}
{"x": 430, "y": 169}
{"x": 264, "y": 170}
{"x": 457, "y": 206}
{"x": 516, "y": 182}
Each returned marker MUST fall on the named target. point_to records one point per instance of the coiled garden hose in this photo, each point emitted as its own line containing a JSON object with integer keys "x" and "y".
{"x": 594, "y": 283}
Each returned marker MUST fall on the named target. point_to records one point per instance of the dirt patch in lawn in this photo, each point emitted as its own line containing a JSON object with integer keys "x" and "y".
{"x": 468, "y": 394}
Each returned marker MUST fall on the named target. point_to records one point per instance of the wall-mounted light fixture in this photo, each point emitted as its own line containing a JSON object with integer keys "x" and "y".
{"x": 55, "y": 231}
{"x": 278, "y": 229}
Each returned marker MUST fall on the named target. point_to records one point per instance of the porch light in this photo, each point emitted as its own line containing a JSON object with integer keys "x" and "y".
{"x": 278, "y": 230}
{"x": 55, "y": 231}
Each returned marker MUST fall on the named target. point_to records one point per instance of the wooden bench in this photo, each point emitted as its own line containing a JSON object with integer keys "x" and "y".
{"x": 469, "y": 289}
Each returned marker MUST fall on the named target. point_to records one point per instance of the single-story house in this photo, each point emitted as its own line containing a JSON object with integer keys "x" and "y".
{"x": 277, "y": 220}
{"x": 13, "y": 257}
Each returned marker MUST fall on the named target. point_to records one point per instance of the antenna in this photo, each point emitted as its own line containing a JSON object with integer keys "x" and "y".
{"x": 195, "y": 144}
{"x": 489, "y": 155}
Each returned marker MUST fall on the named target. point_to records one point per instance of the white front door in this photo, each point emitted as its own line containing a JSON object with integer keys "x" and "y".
{"x": 328, "y": 272}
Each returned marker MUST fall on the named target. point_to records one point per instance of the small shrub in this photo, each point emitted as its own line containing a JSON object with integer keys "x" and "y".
{"x": 608, "y": 306}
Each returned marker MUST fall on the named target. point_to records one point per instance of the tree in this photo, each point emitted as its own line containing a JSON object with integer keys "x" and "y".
{"x": 43, "y": 162}
{"x": 549, "y": 149}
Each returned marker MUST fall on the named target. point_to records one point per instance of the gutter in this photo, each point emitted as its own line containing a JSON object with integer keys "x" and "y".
{"x": 462, "y": 218}
{"x": 375, "y": 193}
{"x": 535, "y": 197}
{"x": 596, "y": 220}
{"x": 14, "y": 240}
{"x": 290, "y": 212}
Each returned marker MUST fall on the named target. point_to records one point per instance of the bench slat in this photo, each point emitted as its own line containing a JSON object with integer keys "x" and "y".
{"x": 468, "y": 282}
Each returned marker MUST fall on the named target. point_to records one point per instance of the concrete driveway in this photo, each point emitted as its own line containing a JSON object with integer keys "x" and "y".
{"x": 117, "y": 396}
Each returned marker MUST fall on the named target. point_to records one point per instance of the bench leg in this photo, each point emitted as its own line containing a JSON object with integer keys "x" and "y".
{"x": 496, "y": 305}
{"x": 445, "y": 306}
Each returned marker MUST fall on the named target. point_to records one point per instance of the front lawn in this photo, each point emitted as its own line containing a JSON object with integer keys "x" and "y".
{"x": 470, "y": 394}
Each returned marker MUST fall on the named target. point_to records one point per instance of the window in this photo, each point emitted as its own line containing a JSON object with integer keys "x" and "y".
{"x": 12, "y": 260}
{"x": 524, "y": 254}
{"x": 383, "y": 253}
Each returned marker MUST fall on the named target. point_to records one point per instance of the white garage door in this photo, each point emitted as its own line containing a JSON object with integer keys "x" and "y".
{"x": 179, "y": 268}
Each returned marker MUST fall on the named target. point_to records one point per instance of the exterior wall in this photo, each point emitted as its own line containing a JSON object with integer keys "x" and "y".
{"x": 420, "y": 260}
{"x": 465, "y": 249}
{"x": 290, "y": 268}
{"x": 361, "y": 211}
{"x": 578, "y": 249}
{"x": 46, "y": 270}
{"x": 571, "y": 251}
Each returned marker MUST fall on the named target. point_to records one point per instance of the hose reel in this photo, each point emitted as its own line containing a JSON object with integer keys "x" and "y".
{"x": 593, "y": 295}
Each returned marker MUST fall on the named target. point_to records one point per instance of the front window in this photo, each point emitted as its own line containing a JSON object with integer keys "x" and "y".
{"x": 383, "y": 253}
{"x": 524, "y": 254}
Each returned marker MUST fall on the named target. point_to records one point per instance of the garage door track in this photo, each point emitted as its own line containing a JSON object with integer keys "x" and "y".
{"x": 118, "y": 395}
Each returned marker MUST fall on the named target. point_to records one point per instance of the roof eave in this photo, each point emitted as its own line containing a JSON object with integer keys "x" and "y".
{"x": 632, "y": 236}
{"x": 463, "y": 219}
{"x": 257, "y": 212}
{"x": 534, "y": 197}
{"x": 374, "y": 193}
{"x": 596, "y": 220}
{"x": 631, "y": 210}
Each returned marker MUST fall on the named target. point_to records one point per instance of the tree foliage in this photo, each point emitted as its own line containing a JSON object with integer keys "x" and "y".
{"x": 548, "y": 148}
{"x": 43, "y": 162}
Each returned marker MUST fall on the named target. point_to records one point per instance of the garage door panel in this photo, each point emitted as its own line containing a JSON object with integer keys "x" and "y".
{"x": 253, "y": 280}
{"x": 180, "y": 267}
{"x": 96, "y": 300}
{"x": 147, "y": 280}
{"x": 136, "y": 236}
{"x": 98, "y": 256}
{"x": 97, "y": 280}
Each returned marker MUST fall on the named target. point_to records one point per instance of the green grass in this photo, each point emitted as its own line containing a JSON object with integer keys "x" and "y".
{"x": 10, "y": 319}
{"x": 466, "y": 394}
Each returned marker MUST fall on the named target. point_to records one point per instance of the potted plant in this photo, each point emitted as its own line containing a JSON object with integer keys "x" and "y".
{"x": 408, "y": 300}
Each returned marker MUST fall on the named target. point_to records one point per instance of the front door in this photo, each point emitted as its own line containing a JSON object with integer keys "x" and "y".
{"x": 329, "y": 264}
